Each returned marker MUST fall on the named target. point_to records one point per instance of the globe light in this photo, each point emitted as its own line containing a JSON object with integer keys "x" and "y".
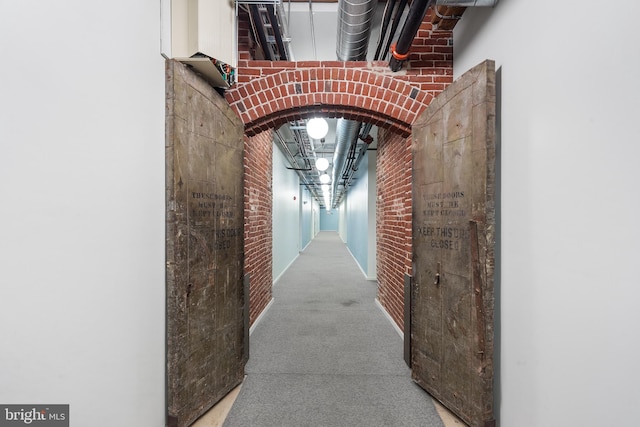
{"x": 322, "y": 164}
{"x": 325, "y": 179}
{"x": 317, "y": 128}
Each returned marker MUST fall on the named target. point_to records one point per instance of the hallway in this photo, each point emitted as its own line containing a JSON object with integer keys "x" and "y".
{"x": 325, "y": 355}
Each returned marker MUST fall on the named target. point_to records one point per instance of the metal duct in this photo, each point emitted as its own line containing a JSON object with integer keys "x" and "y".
{"x": 346, "y": 133}
{"x": 354, "y": 28}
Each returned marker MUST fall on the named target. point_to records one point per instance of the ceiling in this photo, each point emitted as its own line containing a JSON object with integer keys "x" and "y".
{"x": 308, "y": 30}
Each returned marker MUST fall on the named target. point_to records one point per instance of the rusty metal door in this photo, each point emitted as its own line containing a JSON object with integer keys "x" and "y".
{"x": 453, "y": 241}
{"x": 206, "y": 339}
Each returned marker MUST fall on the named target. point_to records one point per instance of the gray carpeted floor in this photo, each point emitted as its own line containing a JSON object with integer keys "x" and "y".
{"x": 325, "y": 354}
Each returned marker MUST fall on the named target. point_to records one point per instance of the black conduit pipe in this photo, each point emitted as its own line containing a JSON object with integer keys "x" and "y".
{"x": 276, "y": 32}
{"x": 388, "y": 11}
{"x": 394, "y": 26}
{"x": 257, "y": 22}
{"x": 400, "y": 50}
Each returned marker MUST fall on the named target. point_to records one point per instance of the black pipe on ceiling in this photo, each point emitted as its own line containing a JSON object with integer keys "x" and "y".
{"x": 259, "y": 26}
{"x": 276, "y": 32}
{"x": 400, "y": 51}
{"x": 386, "y": 18}
{"x": 394, "y": 27}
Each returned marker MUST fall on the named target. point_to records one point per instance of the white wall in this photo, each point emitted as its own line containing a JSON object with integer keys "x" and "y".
{"x": 82, "y": 187}
{"x": 569, "y": 316}
{"x": 286, "y": 214}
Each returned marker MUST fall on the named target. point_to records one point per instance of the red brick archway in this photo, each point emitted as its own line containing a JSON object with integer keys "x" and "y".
{"x": 271, "y": 93}
{"x": 274, "y": 93}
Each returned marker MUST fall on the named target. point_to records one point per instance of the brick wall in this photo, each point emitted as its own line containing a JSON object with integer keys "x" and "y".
{"x": 393, "y": 221}
{"x": 246, "y": 44}
{"x": 430, "y": 62}
{"x": 258, "y": 156}
{"x": 269, "y": 93}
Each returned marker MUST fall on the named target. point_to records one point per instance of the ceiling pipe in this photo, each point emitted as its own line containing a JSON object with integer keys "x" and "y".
{"x": 259, "y": 28}
{"x": 354, "y": 28}
{"x": 386, "y": 18}
{"x": 346, "y": 133}
{"x": 311, "y": 186}
{"x": 313, "y": 32}
{"x": 285, "y": 33}
{"x": 275, "y": 25}
{"x": 394, "y": 27}
{"x": 400, "y": 49}
{"x": 356, "y": 164}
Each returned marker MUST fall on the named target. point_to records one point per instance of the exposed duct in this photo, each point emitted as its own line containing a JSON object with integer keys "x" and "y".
{"x": 346, "y": 134}
{"x": 294, "y": 151}
{"x": 354, "y": 28}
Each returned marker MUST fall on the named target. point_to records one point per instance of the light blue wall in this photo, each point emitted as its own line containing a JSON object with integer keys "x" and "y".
{"x": 316, "y": 218}
{"x": 285, "y": 214}
{"x": 357, "y": 215}
{"x": 360, "y": 216}
{"x": 329, "y": 221}
{"x": 306, "y": 217}
{"x": 342, "y": 225}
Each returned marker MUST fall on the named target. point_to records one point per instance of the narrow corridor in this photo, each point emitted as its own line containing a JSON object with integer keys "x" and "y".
{"x": 325, "y": 355}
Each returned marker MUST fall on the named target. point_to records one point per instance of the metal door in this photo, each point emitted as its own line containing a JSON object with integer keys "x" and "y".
{"x": 453, "y": 241}
{"x": 206, "y": 339}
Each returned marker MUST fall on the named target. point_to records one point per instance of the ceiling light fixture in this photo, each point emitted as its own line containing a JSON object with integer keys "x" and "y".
{"x": 317, "y": 128}
{"x": 322, "y": 164}
{"x": 325, "y": 179}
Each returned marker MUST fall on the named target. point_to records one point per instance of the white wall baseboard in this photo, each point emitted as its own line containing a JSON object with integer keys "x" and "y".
{"x": 388, "y": 316}
{"x": 251, "y": 329}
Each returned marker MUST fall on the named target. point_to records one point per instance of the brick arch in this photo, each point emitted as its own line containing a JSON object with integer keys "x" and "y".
{"x": 280, "y": 92}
